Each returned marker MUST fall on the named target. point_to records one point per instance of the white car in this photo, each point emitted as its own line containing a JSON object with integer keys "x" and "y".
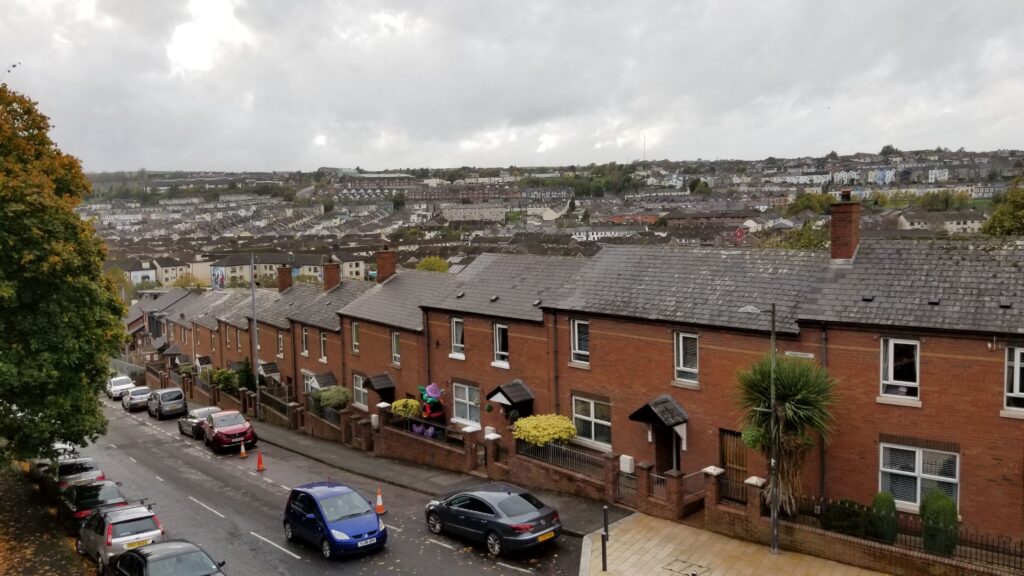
{"x": 118, "y": 385}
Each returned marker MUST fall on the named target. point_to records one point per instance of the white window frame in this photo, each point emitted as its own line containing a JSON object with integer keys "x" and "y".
{"x": 308, "y": 378}
{"x": 466, "y": 402}
{"x": 227, "y": 339}
{"x": 458, "y": 348}
{"x": 238, "y": 339}
{"x": 396, "y": 348}
{"x": 359, "y": 391}
{"x": 886, "y": 364}
{"x": 579, "y": 356}
{"x": 355, "y": 337}
{"x": 323, "y": 346}
{"x": 682, "y": 373}
{"x": 280, "y": 344}
{"x": 1014, "y": 385}
{"x": 258, "y": 347}
{"x": 305, "y": 341}
{"x": 593, "y": 420}
{"x": 501, "y": 356}
{"x": 918, "y": 473}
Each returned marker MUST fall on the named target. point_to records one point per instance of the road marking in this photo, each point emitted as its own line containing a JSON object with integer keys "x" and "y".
{"x": 442, "y": 544}
{"x": 390, "y": 527}
{"x": 133, "y": 459}
{"x": 268, "y": 480}
{"x": 511, "y": 567}
{"x": 113, "y": 446}
{"x": 283, "y": 486}
{"x": 205, "y": 506}
{"x": 159, "y": 478}
{"x": 252, "y": 473}
{"x": 285, "y": 550}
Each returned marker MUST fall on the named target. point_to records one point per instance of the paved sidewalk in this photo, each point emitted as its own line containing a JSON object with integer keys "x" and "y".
{"x": 579, "y": 515}
{"x": 641, "y": 544}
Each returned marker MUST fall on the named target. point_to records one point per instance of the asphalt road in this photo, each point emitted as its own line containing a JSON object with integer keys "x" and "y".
{"x": 221, "y": 503}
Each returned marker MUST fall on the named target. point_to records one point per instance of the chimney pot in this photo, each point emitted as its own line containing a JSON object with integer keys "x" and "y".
{"x": 284, "y": 278}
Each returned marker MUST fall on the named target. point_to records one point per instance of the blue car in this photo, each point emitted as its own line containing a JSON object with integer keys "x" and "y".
{"x": 335, "y": 518}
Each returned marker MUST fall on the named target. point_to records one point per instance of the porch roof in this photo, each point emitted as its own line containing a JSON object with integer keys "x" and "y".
{"x": 510, "y": 393}
{"x": 381, "y": 382}
{"x": 325, "y": 380}
{"x": 663, "y": 410}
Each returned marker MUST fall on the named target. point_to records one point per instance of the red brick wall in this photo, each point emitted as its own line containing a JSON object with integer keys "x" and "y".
{"x": 528, "y": 361}
{"x": 203, "y": 345}
{"x": 311, "y": 361}
{"x": 374, "y": 357}
{"x": 393, "y": 443}
{"x": 268, "y": 352}
{"x": 229, "y": 344}
{"x": 961, "y": 383}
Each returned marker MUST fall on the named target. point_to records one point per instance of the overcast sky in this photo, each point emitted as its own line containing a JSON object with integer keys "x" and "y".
{"x": 298, "y": 84}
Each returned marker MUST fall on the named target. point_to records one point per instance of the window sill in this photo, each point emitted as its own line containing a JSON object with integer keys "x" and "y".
{"x": 462, "y": 422}
{"x": 906, "y": 507}
{"x": 688, "y": 384}
{"x": 899, "y": 401}
{"x": 359, "y": 406}
{"x": 396, "y": 365}
{"x": 591, "y": 444}
{"x": 305, "y": 354}
{"x": 355, "y": 352}
{"x": 502, "y": 365}
{"x": 580, "y": 365}
{"x": 280, "y": 356}
{"x": 1015, "y": 413}
{"x": 322, "y": 360}
{"x": 457, "y": 356}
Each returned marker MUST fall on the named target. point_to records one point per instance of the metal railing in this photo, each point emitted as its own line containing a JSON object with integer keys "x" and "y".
{"x": 911, "y": 532}
{"x": 500, "y": 453}
{"x": 658, "y": 487}
{"x": 275, "y": 403}
{"x": 625, "y": 489}
{"x": 429, "y": 430}
{"x": 732, "y": 492}
{"x": 127, "y": 368}
{"x": 331, "y": 415}
{"x": 579, "y": 460}
{"x": 693, "y": 484}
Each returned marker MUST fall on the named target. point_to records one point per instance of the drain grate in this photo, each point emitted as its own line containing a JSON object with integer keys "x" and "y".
{"x": 685, "y": 567}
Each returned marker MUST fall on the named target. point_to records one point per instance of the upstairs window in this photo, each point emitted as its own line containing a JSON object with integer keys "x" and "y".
{"x": 280, "y": 344}
{"x": 238, "y": 339}
{"x": 323, "y": 346}
{"x": 686, "y": 357}
{"x": 900, "y": 367}
{"x": 581, "y": 341}
{"x": 501, "y": 344}
{"x": 355, "y": 336}
{"x": 1015, "y": 378}
{"x": 396, "y": 351}
{"x": 458, "y": 337}
{"x": 305, "y": 341}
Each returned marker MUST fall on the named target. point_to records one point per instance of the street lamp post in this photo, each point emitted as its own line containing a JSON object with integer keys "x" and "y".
{"x": 255, "y": 344}
{"x": 773, "y": 464}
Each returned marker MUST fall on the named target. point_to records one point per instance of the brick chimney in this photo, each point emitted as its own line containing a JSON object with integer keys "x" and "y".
{"x": 332, "y": 275}
{"x": 284, "y": 278}
{"x": 386, "y": 262}
{"x": 845, "y": 229}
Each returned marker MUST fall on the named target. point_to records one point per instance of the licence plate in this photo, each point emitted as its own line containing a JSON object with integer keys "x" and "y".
{"x": 235, "y": 440}
{"x": 366, "y": 542}
{"x": 136, "y": 544}
{"x": 545, "y": 536}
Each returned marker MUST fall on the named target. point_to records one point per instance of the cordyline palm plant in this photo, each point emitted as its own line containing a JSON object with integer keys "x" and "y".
{"x": 803, "y": 394}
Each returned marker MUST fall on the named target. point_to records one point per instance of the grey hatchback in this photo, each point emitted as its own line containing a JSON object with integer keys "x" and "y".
{"x": 190, "y": 424}
{"x": 135, "y": 398}
{"x": 111, "y": 531}
{"x": 167, "y": 402}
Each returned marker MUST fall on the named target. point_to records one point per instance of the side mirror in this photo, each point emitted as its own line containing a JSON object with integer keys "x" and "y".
{"x": 310, "y": 516}
{"x": 118, "y": 483}
{"x": 221, "y": 563}
{"x": 370, "y": 502}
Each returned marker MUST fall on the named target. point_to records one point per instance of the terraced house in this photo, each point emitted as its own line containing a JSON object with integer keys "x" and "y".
{"x": 641, "y": 347}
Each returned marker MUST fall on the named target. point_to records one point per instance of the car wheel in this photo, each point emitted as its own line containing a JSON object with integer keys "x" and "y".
{"x": 78, "y": 547}
{"x": 434, "y": 523}
{"x": 325, "y": 549}
{"x": 288, "y": 534}
{"x": 494, "y": 544}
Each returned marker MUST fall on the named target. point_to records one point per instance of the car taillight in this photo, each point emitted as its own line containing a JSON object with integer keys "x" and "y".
{"x": 521, "y": 527}
{"x": 158, "y": 524}
{"x": 83, "y": 514}
{"x": 555, "y": 518}
{"x": 102, "y": 476}
{"x": 110, "y": 534}
{"x": 62, "y": 485}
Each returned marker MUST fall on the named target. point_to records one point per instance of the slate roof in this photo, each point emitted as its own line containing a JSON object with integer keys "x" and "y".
{"x": 396, "y": 301}
{"x": 662, "y": 410}
{"x": 165, "y": 300}
{"x": 279, "y": 258}
{"x": 970, "y": 280}
{"x": 696, "y": 285}
{"x": 318, "y": 308}
{"x": 518, "y": 280}
{"x": 515, "y": 391}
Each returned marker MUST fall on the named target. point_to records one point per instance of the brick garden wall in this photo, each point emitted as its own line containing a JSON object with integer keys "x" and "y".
{"x": 399, "y": 445}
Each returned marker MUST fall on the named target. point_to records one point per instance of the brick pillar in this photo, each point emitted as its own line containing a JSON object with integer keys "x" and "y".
{"x": 675, "y": 492}
{"x": 214, "y": 396}
{"x": 345, "y": 421}
{"x": 711, "y": 495}
{"x": 610, "y": 477}
{"x": 753, "y": 486}
{"x": 643, "y": 485}
{"x": 469, "y": 443}
{"x": 294, "y": 419}
{"x": 243, "y": 398}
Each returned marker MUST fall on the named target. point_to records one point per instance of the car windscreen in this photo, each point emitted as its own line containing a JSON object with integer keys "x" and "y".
{"x": 136, "y": 526}
{"x": 92, "y": 494}
{"x": 69, "y": 468}
{"x": 228, "y": 420}
{"x": 139, "y": 392}
{"x": 344, "y": 506}
{"x": 194, "y": 563}
{"x": 171, "y": 396}
{"x": 519, "y": 504}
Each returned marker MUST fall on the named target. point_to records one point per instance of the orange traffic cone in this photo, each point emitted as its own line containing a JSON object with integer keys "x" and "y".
{"x": 242, "y": 453}
{"x": 259, "y": 461}
{"x": 379, "y": 508}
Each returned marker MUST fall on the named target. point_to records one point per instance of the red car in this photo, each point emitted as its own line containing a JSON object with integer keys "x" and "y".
{"x": 227, "y": 429}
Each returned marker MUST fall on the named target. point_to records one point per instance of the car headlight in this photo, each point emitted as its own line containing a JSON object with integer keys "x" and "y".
{"x": 431, "y": 503}
{"x": 380, "y": 524}
{"x": 339, "y": 535}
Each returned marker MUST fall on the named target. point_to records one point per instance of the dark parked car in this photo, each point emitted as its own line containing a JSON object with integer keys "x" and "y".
{"x": 334, "y": 518}
{"x": 228, "y": 429}
{"x": 191, "y": 424}
{"x": 80, "y": 502}
{"x": 169, "y": 558}
{"x": 503, "y": 516}
{"x": 167, "y": 402}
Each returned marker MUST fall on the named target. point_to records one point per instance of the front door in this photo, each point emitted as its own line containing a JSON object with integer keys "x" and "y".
{"x": 666, "y": 449}
{"x": 733, "y": 458}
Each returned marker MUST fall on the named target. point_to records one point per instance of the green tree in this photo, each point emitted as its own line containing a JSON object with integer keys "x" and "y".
{"x": 146, "y": 285}
{"x": 817, "y": 203}
{"x": 804, "y": 393}
{"x": 187, "y": 281}
{"x": 433, "y": 264}
{"x": 833, "y": 155}
{"x": 398, "y": 201}
{"x": 1008, "y": 217}
{"x": 807, "y": 237}
{"x": 328, "y": 205}
{"x": 889, "y": 150}
{"x": 60, "y": 318}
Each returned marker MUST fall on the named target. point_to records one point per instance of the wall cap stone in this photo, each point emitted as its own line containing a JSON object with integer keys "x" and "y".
{"x": 492, "y": 436}
{"x": 755, "y": 481}
{"x": 713, "y": 471}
